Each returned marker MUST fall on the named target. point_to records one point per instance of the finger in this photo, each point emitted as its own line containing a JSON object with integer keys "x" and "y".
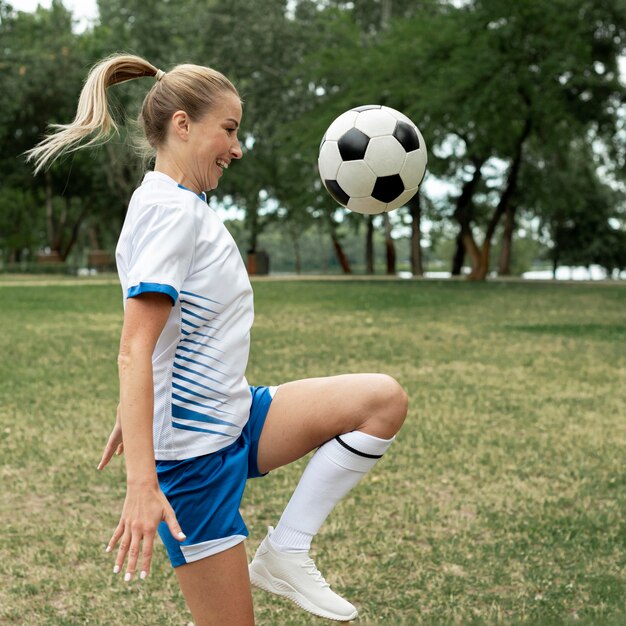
{"x": 123, "y": 551}
{"x": 120, "y": 449}
{"x": 119, "y": 531}
{"x": 109, "y": 449}
{"x": 146, "y": 555}
{"x": 133, "y": 554}
{"x": 106, "y": 456}
{"x": 174, "y": 526}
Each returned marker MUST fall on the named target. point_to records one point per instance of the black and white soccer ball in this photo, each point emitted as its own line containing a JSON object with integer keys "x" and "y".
{"x": 372, "y": 159}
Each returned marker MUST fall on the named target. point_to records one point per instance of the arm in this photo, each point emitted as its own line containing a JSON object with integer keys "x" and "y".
{"x": 145, "y": 505}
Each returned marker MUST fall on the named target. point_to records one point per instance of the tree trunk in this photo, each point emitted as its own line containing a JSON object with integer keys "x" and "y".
{"x": 507, "y": 242}
{"x": 480, "y": 272}
{"x": 459, "y": 256}
{"x": 470, "y": 246}
{"x": 415, "y": 209}
{"x": 463, "y": 215}
{"x": 337, "y": 247}
{"x": 341, "y": 255}
{"x": 369, "y": 246}
{"x": 390, "y": 247}
{"x": 74, "y": 234}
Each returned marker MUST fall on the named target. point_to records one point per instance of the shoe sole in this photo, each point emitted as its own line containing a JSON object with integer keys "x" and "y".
{"x": 261, "y": 578}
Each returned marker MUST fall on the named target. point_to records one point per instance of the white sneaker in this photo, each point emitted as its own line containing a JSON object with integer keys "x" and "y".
{"x": 295, "y": 576}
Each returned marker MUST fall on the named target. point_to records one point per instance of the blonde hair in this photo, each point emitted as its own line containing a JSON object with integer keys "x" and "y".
{"x": 191, "y": 88}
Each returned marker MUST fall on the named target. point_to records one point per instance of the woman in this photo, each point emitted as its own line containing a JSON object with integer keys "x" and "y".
{"x": 192, "y": 429}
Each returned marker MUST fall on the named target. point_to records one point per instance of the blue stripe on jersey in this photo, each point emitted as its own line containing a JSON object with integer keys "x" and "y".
{"x": 206, "y": 356}
{"x": 211, "y": 337}
{"x": 197, "y": 384}
{"x": 188, "y": 369}
{"x": 203, "y": 405}
{"x": 199, "y": 395}
{"x": 208, "y": 367}
{"x": 195, "y": 295}
{"x": 184, "y": 321}
{"x": 197, "y": 305}
{"x": 199, "y": 430}
{"x": 204, "y": 345}
{"x": 188, "y": 414}
{"x": 195, "y": 314}
{"x": 152, "y": 288}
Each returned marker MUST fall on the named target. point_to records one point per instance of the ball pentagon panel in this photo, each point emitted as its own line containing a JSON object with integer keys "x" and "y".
{"x": 353, "y": 144}
{"x": 385, "y": 155}
{"x": 388, "y": 188}
{"x": 406, "y": 134}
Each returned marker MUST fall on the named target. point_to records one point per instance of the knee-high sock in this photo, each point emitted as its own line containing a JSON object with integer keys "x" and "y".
{"x": 334, "y": 469}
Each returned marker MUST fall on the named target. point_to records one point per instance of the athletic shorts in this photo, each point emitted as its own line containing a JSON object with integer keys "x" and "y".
{"x": 205, "y": 491}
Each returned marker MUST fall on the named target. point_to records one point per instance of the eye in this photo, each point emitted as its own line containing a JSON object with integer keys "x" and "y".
{"x": 230, "y": 131}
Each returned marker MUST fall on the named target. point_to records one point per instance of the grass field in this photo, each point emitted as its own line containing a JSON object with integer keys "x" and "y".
{"x": 503, "y": 500}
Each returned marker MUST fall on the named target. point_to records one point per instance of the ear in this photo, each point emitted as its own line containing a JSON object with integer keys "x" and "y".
{"x": 180, "y": 125}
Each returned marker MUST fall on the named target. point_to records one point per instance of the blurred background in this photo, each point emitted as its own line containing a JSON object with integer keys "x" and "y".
{"x": 521, "y": 104}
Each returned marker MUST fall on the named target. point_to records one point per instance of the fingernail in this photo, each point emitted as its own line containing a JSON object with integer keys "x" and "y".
{"x": 181, "y": 535}
{"x": 116, "y": 569}
{"x": 108, "y": 549}
{"x": 143, "y": 575}
{"x": 127, "y": 577}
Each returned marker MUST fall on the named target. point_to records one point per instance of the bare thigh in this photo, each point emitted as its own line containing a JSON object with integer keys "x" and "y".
{"x": 217, "y": 589}
{"x": 304, "y": 414}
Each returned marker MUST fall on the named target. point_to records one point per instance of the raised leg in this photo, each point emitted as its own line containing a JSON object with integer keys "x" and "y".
{"x": 306, "y": 413}
{"x": 352, "y": 419}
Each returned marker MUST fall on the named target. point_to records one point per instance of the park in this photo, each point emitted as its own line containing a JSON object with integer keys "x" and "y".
{"x": 502, "y": 499}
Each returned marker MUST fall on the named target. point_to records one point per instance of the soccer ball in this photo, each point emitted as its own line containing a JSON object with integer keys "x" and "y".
{"x": 372, "y": 159}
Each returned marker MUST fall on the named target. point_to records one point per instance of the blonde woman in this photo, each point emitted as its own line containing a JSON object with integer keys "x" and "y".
{"x": 191, "y": 428}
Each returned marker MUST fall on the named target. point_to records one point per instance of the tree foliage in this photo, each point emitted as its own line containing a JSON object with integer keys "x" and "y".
{"x": 521, "y": 106}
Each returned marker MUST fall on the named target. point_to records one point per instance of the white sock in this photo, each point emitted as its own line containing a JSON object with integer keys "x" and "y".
{"x": 334, "y": 469}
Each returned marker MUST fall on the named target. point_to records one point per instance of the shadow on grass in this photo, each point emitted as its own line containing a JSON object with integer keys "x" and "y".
{"x": 606, "y": 332}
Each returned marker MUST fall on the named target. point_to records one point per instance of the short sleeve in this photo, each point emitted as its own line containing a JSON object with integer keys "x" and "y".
{"x": 162, "y": 247}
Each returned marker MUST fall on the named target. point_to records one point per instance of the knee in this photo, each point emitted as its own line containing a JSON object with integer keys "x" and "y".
{"x": 390, "y": 405}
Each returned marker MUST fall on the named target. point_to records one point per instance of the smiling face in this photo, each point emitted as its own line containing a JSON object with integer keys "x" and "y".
{"x": 208, "y": 145}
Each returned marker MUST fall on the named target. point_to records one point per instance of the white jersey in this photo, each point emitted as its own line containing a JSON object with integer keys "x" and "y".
{"x": 172, "y": 242}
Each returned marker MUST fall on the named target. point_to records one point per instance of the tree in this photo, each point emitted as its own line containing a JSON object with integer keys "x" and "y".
{"x": 43, "y": 72}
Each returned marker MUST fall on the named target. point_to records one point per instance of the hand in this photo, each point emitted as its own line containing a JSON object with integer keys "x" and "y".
{"x": 144, "y": 508}
{"x": 115, "y": 445}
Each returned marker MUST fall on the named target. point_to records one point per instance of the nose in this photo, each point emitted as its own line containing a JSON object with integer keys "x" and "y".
{"x": 235, "y": 150}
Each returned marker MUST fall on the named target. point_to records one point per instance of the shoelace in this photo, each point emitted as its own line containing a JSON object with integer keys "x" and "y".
{"x": 309, "y": 566}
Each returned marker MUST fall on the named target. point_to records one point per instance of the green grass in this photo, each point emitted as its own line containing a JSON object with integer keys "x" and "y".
{"x": 502, "y": 502}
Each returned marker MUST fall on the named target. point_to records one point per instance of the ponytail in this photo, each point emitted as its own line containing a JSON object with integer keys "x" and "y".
{"x": 92, "y": 115}
{"x": 194, "y": 89}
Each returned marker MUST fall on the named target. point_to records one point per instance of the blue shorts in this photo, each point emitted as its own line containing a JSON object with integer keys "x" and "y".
{"x": 205, "y": 491}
